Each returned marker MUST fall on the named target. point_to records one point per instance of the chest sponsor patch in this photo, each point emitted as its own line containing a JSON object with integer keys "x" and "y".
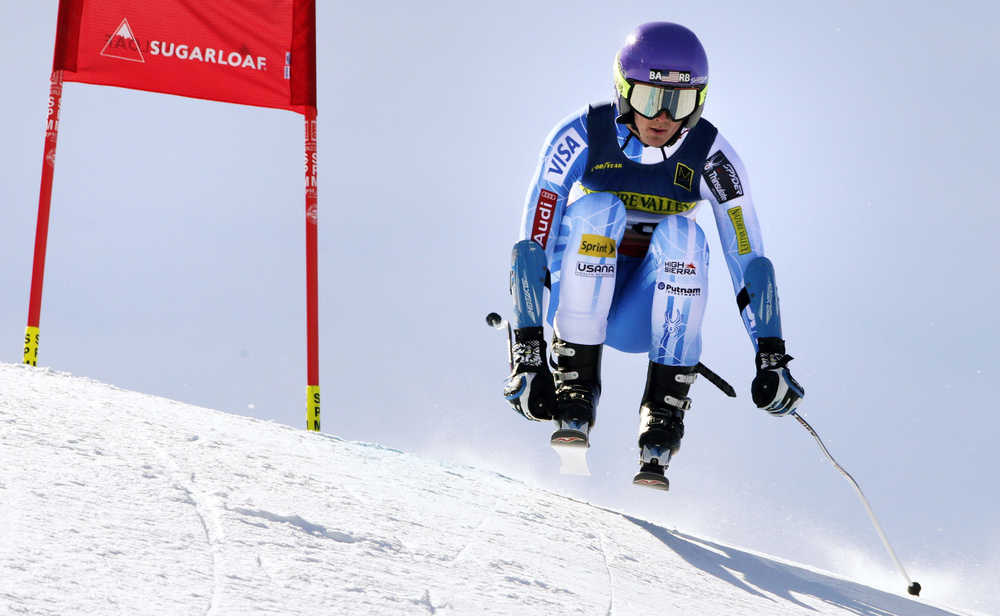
{"x": 684, "y": 176}
{"x": 654, "y": 204}
{"x": 605, "y": 166}
{"x": 564, "y": 153}
{"x": 722, "y": 179}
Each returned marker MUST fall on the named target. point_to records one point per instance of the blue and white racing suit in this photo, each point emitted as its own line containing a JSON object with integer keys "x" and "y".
{"x": 628, "y": 262}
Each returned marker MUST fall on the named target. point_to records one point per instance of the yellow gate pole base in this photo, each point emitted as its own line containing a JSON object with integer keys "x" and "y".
{"x": 312, "y": 408}
{"x": 31, "y": 346}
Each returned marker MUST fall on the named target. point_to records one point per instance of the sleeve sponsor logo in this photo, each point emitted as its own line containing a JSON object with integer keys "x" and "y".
{"x": 684, "y": 176}
{"x": 597, "y": 246}
{"x": 742, "y": 237}
{"x": 678, "y": 290}
{"x": 544, "y": 209}
{"x": 595, "y": 270}
{"x": 663, "y": 76}
{"x": 564, "y": 153}
{"x": 653, "y": 204}
{"x": 527, "y": 296}
{"x": 722, "y": 178}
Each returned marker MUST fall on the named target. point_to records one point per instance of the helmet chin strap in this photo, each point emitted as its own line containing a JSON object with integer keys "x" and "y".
{"x": 677, "y": 135}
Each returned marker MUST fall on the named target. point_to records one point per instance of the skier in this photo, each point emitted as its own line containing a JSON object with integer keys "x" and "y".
{"x": 609, "y": 225}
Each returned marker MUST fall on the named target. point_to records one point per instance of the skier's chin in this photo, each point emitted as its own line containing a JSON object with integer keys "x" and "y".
{"x": 657, "y": 137}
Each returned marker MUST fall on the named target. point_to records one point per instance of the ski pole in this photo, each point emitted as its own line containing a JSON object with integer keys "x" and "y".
{"x": 496, "y": 321}
{"x": 913, "y": 587}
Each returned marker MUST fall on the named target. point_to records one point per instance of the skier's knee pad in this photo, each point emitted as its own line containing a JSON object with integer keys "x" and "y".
{"x": 680, "y": 238}
{"x": 596, "y": 212}
{"x": 591, "y": 230}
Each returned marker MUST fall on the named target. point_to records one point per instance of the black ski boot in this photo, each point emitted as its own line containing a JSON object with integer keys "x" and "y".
{"x": 578, "y": 389}
{"x": 661, "y": 421}
{"x": 529, "y": 388}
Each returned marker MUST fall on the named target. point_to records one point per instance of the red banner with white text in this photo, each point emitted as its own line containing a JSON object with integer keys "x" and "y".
{"x": 252, "y": 52}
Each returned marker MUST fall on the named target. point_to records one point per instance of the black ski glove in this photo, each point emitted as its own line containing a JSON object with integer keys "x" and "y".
{"x": 774, "y": 389}
{"x": 529, "y": 388}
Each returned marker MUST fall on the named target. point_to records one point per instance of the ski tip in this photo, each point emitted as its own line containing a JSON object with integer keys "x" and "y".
{"x": 570, "y": 438}
{"x": 651, "y": 480}
{"x": 572, "y": 460}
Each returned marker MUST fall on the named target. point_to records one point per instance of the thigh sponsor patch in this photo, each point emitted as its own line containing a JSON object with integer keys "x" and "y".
{"x": 595, "y": 270}
{"x": 597, "y": 246}
{"x": 678, "y": 290}
{"x": 680, "y": 268}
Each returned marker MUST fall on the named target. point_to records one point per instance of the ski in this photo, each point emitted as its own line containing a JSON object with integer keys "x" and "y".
{"x": 654, "y": 463}
{"x": 650, "y": 479}
{"x": 571, "y": 446}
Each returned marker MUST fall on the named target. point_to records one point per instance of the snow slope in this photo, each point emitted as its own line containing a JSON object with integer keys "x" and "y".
{"x": 114, "y": 502}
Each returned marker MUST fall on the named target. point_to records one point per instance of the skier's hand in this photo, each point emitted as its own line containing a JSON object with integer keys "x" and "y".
{"x": 532, "y": 394}
{"x": 529, "y": 388}
{"x": 774, "y": 389}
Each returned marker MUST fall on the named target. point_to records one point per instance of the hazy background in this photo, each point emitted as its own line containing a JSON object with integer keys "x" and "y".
{"x": 176, "y": 258}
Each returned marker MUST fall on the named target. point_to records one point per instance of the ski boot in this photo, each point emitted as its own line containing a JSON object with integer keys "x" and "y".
{"x": 661, "y": 421}
{"x": 578, "y": 389}
{"x": 529, "y": 388}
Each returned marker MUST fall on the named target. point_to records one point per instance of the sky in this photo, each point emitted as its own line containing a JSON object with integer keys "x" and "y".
{"x": 187, "y": 510}
{"x": 176, "y": 260}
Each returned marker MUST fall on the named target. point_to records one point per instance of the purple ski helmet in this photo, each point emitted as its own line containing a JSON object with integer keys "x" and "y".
{"x": 669, "y": 57}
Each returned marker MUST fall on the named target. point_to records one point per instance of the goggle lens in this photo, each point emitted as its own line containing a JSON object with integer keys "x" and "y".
{"x": 649, "y": 100}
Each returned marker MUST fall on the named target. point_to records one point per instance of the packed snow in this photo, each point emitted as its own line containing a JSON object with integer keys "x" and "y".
{"x": 114, "y": 502}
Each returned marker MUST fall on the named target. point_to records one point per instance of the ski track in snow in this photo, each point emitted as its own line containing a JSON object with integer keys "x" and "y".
{"x": 611, "y": 576}
{"x": 473, "y": 540}
{"x": 209, "y": 522}
{"x": 114, "y": 502}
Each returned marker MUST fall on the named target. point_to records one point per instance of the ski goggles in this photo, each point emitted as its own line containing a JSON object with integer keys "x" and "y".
{"x": 648, "y": 100}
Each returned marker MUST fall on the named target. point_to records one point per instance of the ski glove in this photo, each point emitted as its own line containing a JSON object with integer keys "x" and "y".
{"x": 774, "y": 389}
{"x": 529, "y": 388}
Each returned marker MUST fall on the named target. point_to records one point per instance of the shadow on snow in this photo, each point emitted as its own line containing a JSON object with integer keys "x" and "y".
{"x": 760, "y": 574}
